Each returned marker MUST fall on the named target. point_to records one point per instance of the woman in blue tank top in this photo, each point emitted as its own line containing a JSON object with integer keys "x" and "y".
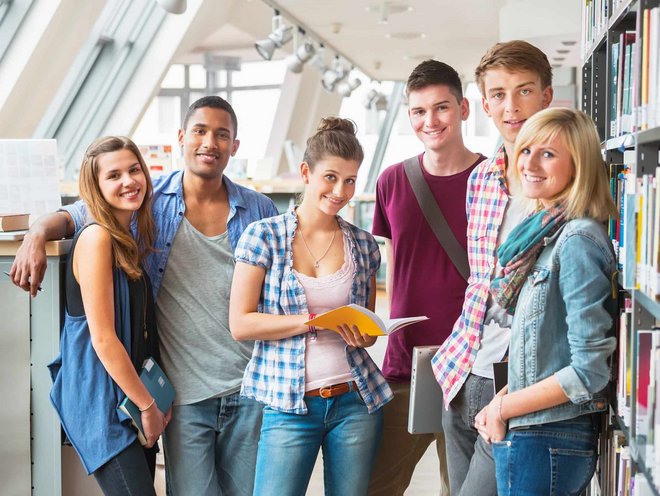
{"x": 109, "y": 327}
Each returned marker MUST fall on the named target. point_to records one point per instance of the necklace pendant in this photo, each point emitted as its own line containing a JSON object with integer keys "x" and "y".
{"x": 316, "y": 265}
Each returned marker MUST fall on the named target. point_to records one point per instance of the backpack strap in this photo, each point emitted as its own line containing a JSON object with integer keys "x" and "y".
{"x": 433, "y": 215}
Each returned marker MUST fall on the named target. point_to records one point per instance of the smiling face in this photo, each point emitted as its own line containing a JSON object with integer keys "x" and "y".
{"x": 330, "y": 184}
{"x": 122, "y": 182}
{"x": 510, "y": 98}
{"x": 436, "y": 116}
{"x": 208, "y": 142}
{"x": 546, "y": 170}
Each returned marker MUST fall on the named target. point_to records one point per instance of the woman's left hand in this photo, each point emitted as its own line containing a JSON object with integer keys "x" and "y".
{"x": 354, "y": 337}
{"x": 489, "y": 423}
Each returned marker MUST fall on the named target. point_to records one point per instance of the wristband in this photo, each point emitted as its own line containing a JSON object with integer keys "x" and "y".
{"x": 311, "y": 328}
{"x": 153, "y": 400}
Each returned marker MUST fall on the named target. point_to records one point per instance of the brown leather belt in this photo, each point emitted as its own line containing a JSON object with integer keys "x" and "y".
{"x": 332, "y": 391}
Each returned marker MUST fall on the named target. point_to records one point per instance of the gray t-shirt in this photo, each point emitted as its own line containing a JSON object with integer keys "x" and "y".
{"x": 199, "y": 355}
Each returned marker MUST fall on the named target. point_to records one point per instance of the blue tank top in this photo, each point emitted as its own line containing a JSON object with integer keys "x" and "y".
{"x": 84, "y": 395}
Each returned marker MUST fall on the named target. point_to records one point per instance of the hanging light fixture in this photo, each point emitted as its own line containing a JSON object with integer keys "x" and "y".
{"x": 279, "y": 36}
{"x": 331, "y": 76}
{"x": 345, "y": 88}
{"x": 302, "y": 52}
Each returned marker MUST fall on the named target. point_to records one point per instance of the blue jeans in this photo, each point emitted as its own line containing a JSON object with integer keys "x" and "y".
{"x": 289, "y": 445}
{"x": 211, "y": 447}
{"x": 129, "y": 473}
{"x": 558, "y": 458}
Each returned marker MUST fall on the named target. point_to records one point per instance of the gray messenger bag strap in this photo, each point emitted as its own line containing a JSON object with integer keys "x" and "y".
{"x": 434, "y": 216}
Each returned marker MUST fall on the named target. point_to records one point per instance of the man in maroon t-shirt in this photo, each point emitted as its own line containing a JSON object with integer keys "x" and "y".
{"x": 421, "y": 278}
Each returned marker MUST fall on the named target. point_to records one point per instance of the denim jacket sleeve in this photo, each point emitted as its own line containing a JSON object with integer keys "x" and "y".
{"x": 586, "y": 266}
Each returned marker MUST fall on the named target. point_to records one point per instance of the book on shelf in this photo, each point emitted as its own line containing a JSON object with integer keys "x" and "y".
{"x": 366, "y": 320}
{"x": 14, "y": 222}
{"x": 624, "y": 379}
{"x": 160, "y": 388}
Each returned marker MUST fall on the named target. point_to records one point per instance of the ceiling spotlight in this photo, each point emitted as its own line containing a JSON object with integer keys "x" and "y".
{"x": 318, "y": 60}
{"x": 331, "y": 77}
{"x": 173, "y": 6}
{"x": 371, "y": 97}
{"x": 296, "y": 60}
{"x": 279, "y": 36}
{"x": 345, "y": 88}
{"x": 381, "y": 102}
{"x": 301, "y": 53}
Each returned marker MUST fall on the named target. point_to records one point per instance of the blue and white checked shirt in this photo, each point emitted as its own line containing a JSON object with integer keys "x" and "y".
{"x": 276, "y": 373}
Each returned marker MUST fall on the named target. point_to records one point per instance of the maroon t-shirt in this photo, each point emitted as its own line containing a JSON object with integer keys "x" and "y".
{"x": 424, "y": 281}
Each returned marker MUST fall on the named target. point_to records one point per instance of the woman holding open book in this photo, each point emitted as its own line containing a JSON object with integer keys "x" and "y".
{"x": 320, "y": 386}
{"x": 109, "y": 327}
{"x": 557, "y": 281}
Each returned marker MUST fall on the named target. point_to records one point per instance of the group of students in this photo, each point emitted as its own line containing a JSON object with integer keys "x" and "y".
{"x": 230, "y": 284}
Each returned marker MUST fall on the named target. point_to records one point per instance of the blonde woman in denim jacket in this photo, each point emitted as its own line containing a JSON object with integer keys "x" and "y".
{"x": 555, "y": 276}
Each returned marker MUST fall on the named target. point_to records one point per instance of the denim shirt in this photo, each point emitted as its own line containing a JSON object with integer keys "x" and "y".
{"x": 169, "y": 207}
{"x": 563, "y": 320}
{"x": 276, "y": 373}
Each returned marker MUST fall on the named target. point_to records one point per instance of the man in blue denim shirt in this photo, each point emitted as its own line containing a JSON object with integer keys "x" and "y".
{"x": 211, "y": 441}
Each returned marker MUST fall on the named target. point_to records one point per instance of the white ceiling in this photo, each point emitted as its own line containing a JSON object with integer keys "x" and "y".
{"x": 457, "y": 32}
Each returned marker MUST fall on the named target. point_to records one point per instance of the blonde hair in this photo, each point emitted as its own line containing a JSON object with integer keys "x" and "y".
{"x": 128, "y": 252}
{"x": 588, "y": 194}
{"x": 514, "y": 56}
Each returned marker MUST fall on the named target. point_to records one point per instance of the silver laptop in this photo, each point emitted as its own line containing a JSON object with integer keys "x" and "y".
{"x": 425, "y": 411}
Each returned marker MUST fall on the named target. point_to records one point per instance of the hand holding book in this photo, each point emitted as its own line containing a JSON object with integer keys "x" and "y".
{"x": 365, "y": 320}
{"x": 163, "y": 393}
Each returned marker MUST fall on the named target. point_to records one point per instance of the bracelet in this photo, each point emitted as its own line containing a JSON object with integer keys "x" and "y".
{"x": 499, "y": 411}
{"x": 311, "y": 328}
{"x": 153, "y": 400}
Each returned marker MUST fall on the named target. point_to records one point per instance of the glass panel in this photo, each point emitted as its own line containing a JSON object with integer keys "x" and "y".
{"x": 258, "y": 107}
{"x": 196, "y": 76}
{"x": 160, "y": 123}
{"x": 259, "y": 73}
{"x": 175, "y": 77}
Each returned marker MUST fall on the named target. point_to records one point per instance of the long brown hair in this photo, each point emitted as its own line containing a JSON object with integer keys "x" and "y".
{"x": 128, "y": 252}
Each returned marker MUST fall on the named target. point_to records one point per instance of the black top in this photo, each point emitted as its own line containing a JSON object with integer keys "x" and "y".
{"x": 144, "y": 333}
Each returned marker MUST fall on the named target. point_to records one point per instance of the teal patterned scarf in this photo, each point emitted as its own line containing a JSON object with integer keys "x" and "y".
{"x": 518, "y": 254}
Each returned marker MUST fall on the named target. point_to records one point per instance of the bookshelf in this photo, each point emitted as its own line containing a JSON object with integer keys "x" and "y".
{"x": 621, "y": 92}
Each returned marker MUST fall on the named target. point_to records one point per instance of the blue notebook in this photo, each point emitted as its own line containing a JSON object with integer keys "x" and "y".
{"x": 160, "y": 388}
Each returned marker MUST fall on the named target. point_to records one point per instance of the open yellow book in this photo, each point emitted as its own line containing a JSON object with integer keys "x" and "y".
{"x": 366, "y": 320}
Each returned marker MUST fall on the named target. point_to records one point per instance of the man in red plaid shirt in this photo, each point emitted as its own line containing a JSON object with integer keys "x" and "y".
{"x": 515, "y": 80}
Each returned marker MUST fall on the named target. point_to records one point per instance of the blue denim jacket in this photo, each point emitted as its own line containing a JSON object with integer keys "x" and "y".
{"x": 245, "y": 207}
{"x": 563, "y": 319}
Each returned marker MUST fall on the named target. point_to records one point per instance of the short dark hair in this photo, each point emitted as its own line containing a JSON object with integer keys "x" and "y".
{"x": 212, "y": 101}
{"x": 433, "y": 72}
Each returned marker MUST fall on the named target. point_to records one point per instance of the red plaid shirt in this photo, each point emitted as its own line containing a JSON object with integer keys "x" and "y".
{"x": 486, "y": 201}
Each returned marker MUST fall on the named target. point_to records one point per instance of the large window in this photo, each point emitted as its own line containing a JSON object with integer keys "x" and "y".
{"x": 253, "y": 91}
